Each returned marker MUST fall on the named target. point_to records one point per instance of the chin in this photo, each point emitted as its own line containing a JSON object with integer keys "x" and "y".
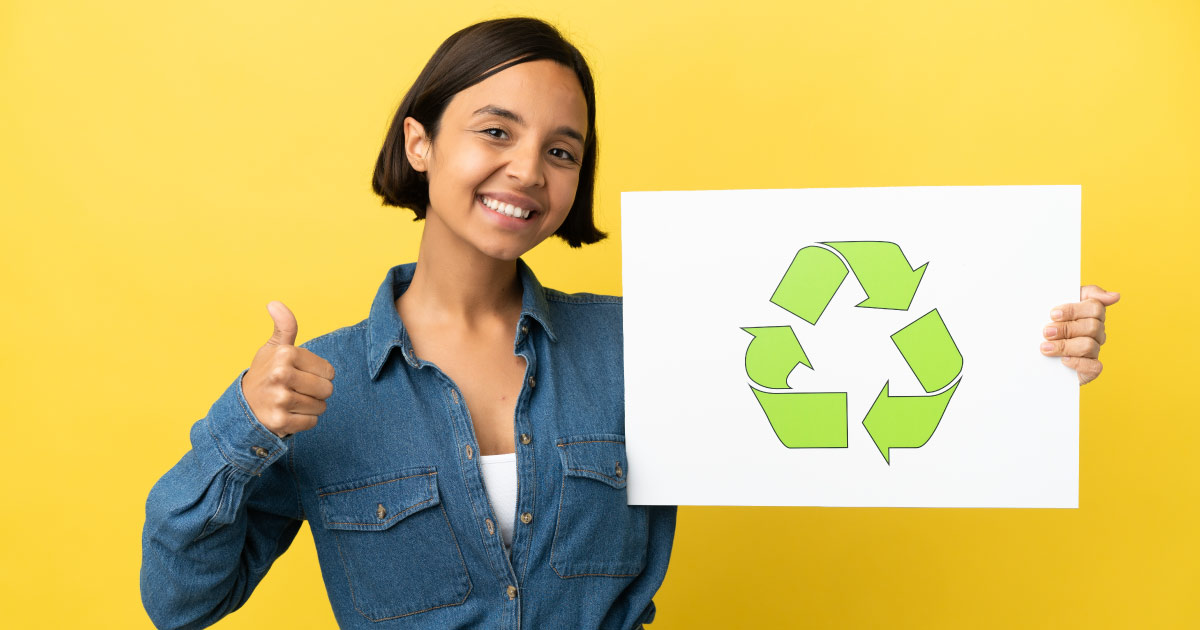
{"x": 505, "y": 253}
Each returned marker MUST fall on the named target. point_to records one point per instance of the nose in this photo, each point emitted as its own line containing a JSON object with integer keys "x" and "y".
{"x": 525, "y": 166}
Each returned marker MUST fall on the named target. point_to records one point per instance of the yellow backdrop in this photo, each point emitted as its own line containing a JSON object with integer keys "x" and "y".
{"x": 168, "y": 168}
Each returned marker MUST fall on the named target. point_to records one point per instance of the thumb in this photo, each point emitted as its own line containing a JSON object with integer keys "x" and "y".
{"x": 1107, "y": 298}
{"x": 285, "y": 324}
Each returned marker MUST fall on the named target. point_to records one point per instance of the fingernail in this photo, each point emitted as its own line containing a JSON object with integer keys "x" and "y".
{"x": 1056, "y": 314}
{"x": 1049, "y": 332}
{"x": 1047, "y": 347}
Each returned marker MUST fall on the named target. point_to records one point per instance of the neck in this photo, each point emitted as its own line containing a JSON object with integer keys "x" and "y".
{"x": 455, "y": 283}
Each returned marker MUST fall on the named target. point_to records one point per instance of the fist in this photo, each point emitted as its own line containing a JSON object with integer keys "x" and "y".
{"x": 1077, "y": 332}
{"x": 287, "y": 386}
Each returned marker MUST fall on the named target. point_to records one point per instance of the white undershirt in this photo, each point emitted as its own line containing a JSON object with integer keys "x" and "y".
{"x": 500, "y": 481}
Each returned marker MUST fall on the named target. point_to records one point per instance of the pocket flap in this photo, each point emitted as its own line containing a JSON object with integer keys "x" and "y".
{"x": 377, "y": 503}
{"x": 599, "y": 456}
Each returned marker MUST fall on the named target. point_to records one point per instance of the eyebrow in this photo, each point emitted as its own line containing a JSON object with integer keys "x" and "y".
{"x": 495, "y": 110}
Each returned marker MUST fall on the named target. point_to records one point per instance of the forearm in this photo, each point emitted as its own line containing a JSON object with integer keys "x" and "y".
{"x": 218, "y": 519}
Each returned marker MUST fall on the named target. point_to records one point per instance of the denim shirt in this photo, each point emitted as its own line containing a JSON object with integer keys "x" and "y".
{"x": 390, "y": 484}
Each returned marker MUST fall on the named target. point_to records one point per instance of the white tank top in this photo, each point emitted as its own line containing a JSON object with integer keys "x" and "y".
{"x": 500, "y": 481}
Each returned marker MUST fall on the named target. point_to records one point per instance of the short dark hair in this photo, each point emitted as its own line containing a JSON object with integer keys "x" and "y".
{"x": 464, "y": 59}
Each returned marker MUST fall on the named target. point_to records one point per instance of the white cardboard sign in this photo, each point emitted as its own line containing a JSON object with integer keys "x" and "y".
{"x": 850, "y": 347}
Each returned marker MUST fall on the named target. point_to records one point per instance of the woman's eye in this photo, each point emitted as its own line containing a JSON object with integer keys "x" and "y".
{"x": 562, "y": 154}
{"x": 496, "y": 132}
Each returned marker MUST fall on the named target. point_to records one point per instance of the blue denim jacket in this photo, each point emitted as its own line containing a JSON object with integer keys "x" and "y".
{"x": 389, "y": 481}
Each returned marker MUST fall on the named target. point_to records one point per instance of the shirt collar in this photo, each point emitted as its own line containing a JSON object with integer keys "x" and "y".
{"x": 385, "y": 331}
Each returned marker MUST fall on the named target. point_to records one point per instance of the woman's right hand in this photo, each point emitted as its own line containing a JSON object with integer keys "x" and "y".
{"x": 286, "y": 386}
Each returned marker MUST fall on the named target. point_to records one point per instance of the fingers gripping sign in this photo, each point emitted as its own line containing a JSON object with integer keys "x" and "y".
{"x": 287, "y": 386}
{"x": 1077, "y": 331}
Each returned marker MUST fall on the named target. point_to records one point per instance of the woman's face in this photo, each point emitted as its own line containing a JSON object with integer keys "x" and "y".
{"x": 505, "y": 164}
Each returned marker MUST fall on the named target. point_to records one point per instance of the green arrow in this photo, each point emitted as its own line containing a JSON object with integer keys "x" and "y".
{"x": 806, "y": 420}
{"x": 772, "y": 355}
{"x": 883, "y": 272}
{"x": 905, "y": 421}
{"x": 930, "y": 351}
{"x": 810, "y": 282}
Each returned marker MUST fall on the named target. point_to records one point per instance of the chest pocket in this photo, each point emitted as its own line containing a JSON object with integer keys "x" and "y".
{"x": 597, "y": 533}
{"x": 395, "y": 542}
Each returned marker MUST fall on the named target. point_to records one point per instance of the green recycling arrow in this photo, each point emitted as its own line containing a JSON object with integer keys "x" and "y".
{"x": 806, "y": 420}
{"x": 905, "y": 421}
{"x": 929, "y": 350}
{"x": 810, "y": 282}
{"x": 819, "y": 419}
{"x": 773, "y": 354}
{"x": 883, "y": 272}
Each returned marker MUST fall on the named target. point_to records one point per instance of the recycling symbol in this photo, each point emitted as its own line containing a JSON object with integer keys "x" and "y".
{"x": 819, "y": 419}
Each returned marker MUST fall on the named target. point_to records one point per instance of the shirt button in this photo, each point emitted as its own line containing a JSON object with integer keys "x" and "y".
{"x": 526, "y": 517}
{"x": 511, "y": 591}
{"x": 491, "y": 527}
{"x": 525, "y": 439}
{"x": 524, "y": 330}
{"x": 470, "y": 451}
{"x": 619, "y": 471}
{"x": 532, "y": 382}
{"x": 380, "y": 512}
{"x": 260, "y": 451}
{"x": 454, "y": 395}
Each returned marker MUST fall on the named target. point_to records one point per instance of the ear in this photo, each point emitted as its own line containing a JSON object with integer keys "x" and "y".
{"x": 416, "y": 144}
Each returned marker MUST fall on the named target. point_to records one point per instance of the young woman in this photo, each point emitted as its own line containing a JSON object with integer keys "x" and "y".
{"x": 469, "y": 469}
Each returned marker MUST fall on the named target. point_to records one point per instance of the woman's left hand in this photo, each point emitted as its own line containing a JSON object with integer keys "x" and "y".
{"x": 1077, "y": 332}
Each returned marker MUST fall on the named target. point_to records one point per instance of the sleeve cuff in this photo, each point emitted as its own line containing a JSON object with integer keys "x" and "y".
{"x": 242, "y": 440}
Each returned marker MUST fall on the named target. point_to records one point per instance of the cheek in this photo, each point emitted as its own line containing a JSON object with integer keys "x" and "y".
{"x": 565, "y": 192}
{"x": 468, "y": 172}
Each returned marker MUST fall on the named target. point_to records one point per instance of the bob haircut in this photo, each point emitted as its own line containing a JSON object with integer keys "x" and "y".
{"x": 464, "y": 59}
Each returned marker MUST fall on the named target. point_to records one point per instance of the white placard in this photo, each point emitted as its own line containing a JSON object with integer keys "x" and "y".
{"x": 709, "y": 421}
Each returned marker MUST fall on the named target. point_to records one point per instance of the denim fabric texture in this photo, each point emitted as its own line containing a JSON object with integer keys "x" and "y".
{"x": 390, "y": 484}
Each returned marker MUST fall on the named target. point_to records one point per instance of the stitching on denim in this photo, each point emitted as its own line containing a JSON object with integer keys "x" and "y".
{"x": 590, "y": 442}
{"x": 595, "y": 472}
{"x": 258, "y": 428}
{"x": 208, "y": 521}
{"x": 372, "y": 485}
{"x": 533, "y": 503}
{"x": 470, "y": 500}
{"x": 224, "y": 455}
{"x": 555, "y": 295}
{"x": 554, "y": 545}
{"x": 461, "y": 560}
{"x": 402, "y": 513}
{"x": 291, "y": 455}
{"x": 562, "y": 497}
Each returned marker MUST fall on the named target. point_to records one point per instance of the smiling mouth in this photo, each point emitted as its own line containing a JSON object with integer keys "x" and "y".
{"x": 507, "y": 209}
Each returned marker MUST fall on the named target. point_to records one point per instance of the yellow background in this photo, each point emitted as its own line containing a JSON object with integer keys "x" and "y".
{"x": 167, "y": 168}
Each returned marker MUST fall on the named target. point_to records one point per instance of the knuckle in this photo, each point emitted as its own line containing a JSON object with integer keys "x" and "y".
{"x": 278, "y": 374}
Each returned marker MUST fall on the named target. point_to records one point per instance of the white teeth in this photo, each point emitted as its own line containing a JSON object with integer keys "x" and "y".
{"x": 507, "y": 209}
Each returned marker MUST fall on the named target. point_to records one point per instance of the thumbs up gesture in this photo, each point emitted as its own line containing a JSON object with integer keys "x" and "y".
{"x": 286, "y": 386}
